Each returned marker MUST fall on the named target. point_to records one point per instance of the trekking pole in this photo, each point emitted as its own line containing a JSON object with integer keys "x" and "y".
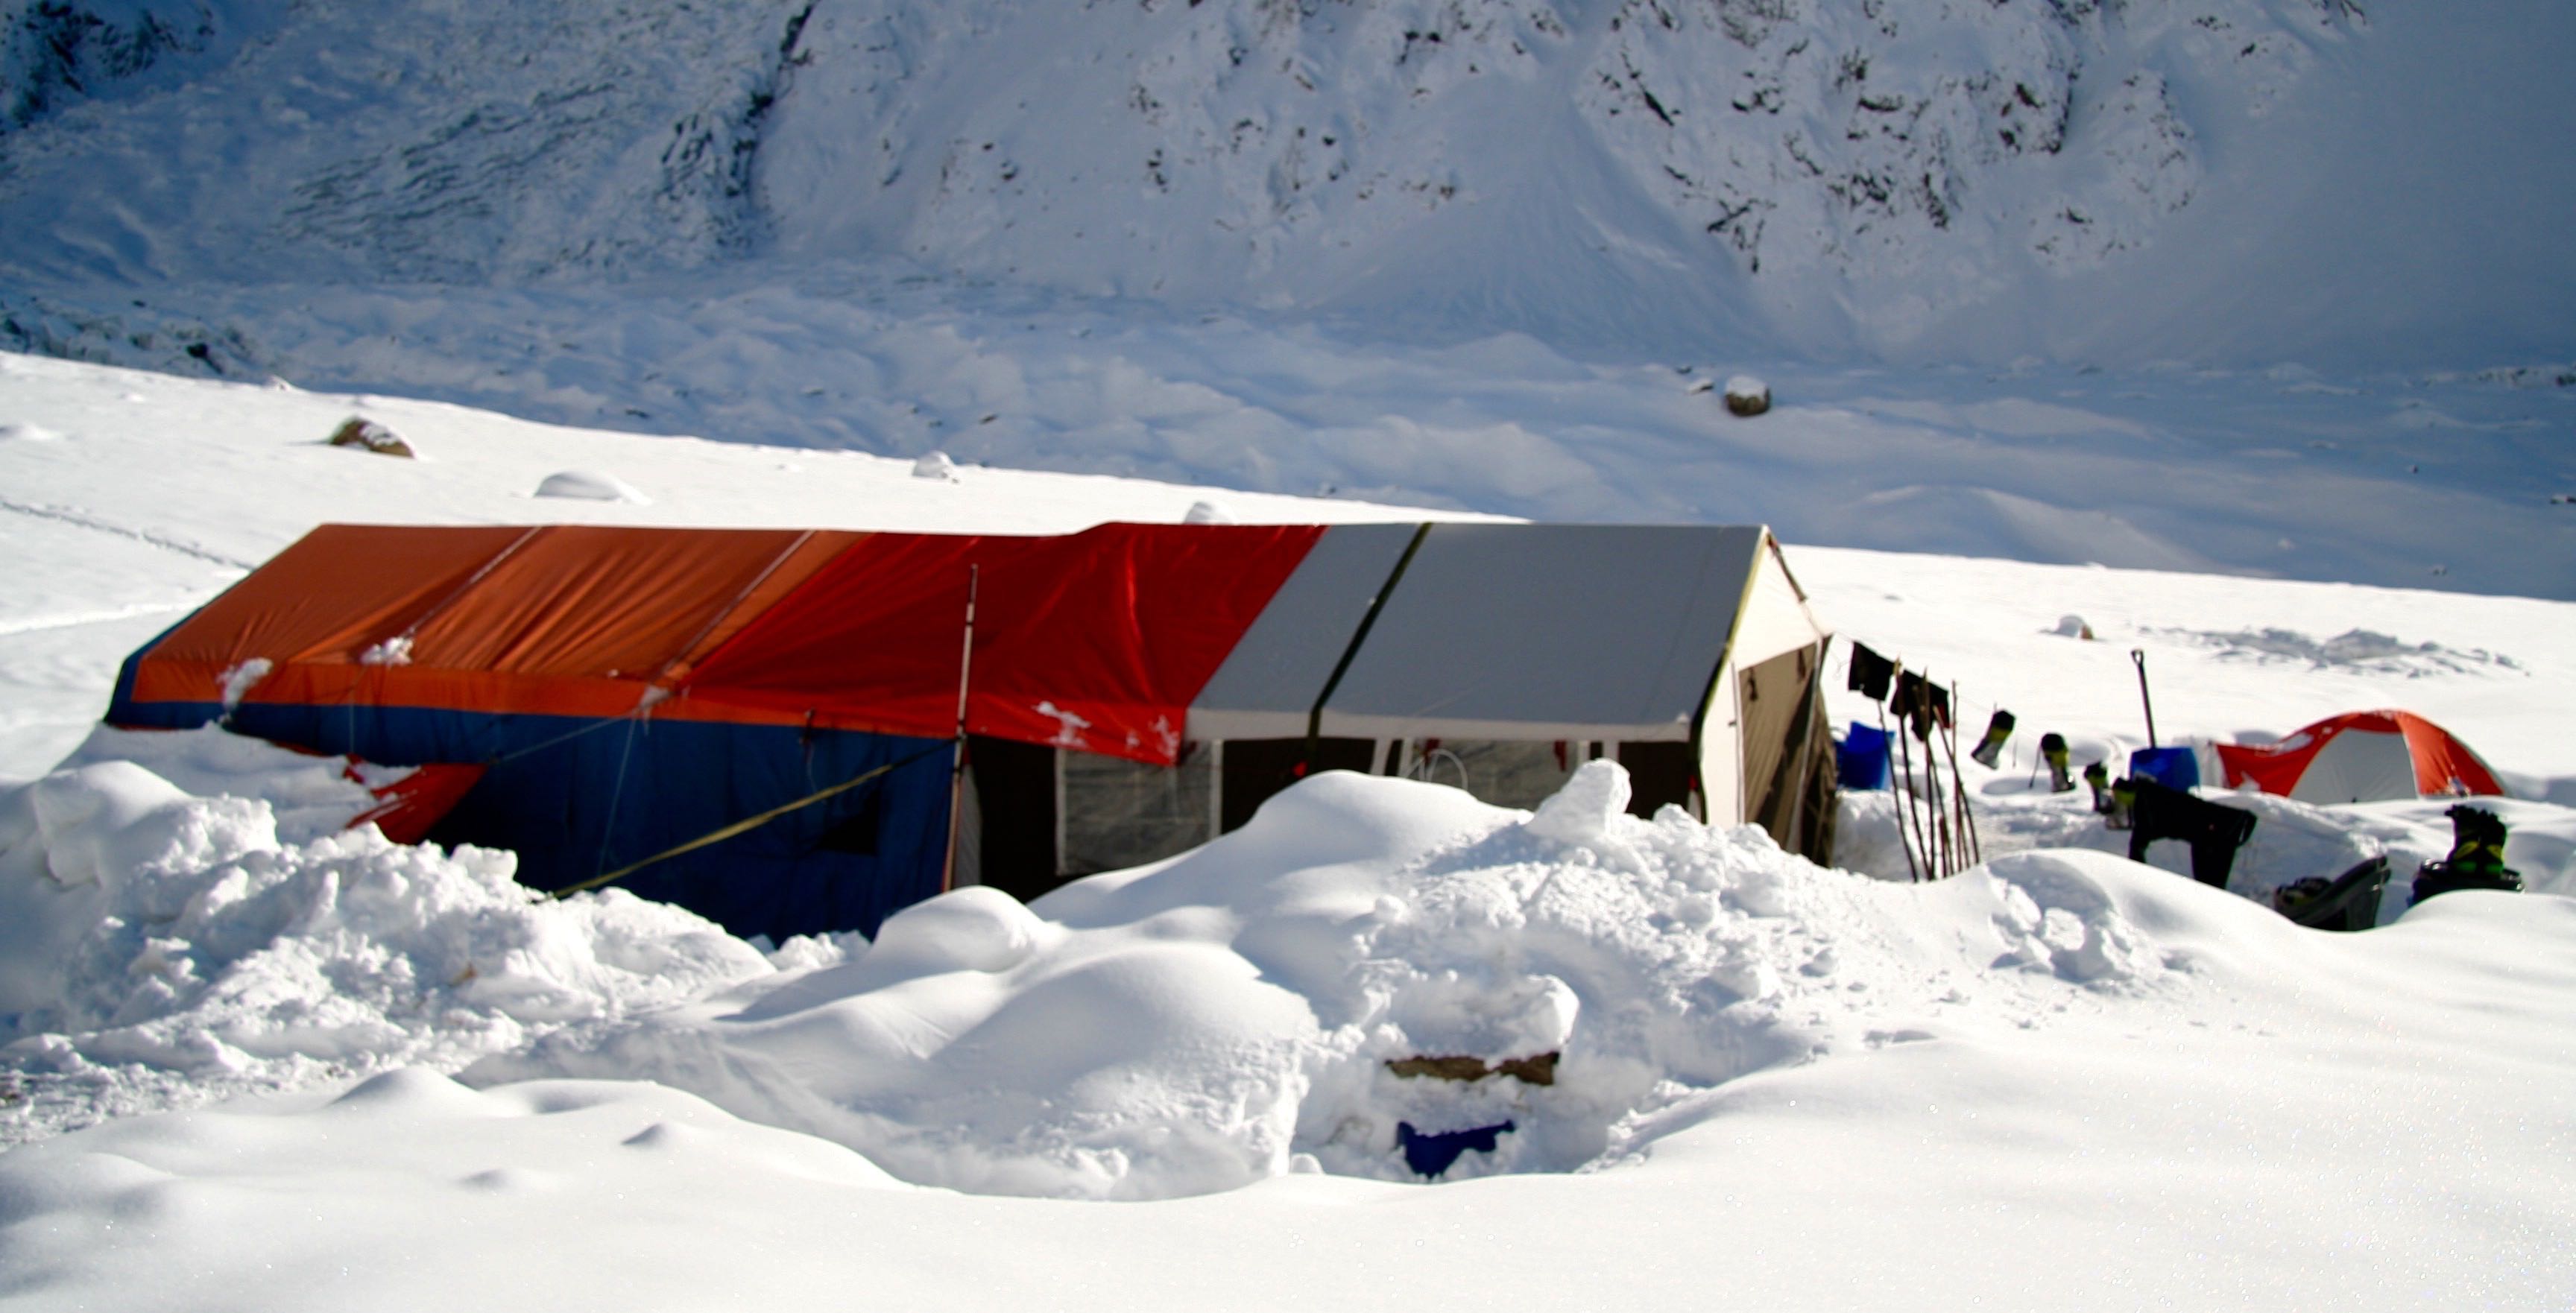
{"x": 957, "y": 756}
{"x": 1912, "y": 872}
{"x": 1973, "y": 851}
{"x": 1918, "y": 824}
{"x": 2138, "y": 657}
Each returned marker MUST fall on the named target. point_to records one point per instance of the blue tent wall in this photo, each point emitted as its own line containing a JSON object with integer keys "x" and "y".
{"x": 554, "y": 795}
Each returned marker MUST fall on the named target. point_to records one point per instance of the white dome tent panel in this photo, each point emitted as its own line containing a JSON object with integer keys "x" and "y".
{"x": 2358, "y": 765}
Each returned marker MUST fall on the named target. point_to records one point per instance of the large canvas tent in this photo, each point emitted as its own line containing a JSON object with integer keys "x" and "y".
{"x": 1126, "y": 692}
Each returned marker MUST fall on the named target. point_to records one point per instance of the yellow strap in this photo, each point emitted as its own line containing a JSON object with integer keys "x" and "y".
{"x": 730, "y": 831}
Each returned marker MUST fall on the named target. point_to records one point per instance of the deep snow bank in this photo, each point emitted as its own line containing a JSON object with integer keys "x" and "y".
{"x": 1369, "y": 962}
{"x": 1232, "y": 1014}
{"x": 159, "y": 949}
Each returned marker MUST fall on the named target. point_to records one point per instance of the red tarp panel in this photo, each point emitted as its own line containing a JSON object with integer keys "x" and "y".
{"x": 407, "y": 808}
{"x": 2442, "y": 764}
{"x": 1097, "y": 640}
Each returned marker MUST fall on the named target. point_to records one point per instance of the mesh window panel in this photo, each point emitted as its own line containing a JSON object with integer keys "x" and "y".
{"x": 1120, "y": 813}
{"x": 1506, "y": 774}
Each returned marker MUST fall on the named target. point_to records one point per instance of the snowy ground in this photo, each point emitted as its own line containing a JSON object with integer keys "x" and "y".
{"x": 2065, "y": 1080}
{"x": 2432, "y": 479}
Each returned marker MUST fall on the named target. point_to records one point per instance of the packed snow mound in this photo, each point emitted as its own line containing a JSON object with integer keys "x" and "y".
{"x": 161, "y": 949}
{"x": 308, "y": 796}
{"x": 510, "y": 1165}
{"x": 1289, "y": 996}
{"x": 585, "y": 485}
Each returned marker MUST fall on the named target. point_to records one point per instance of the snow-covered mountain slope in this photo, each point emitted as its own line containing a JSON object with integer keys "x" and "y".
{"x": 365, "y": 141}
{"x": 1910, "y": 179}
{"x": 1836, "y": 173}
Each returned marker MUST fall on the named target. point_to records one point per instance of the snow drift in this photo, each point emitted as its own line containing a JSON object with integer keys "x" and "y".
{"x": 160, "y": 949}
{"x": 1230, "y": 1015}
{"x": 1369, "y": 964}
{"x": 1237, "y": 1012}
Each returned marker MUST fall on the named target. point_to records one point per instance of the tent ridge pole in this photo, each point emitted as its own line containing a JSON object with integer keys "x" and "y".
{"x": 1351, "y": 650}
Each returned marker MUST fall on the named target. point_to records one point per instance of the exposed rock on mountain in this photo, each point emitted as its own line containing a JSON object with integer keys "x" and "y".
{"x": 1907, "y": 179}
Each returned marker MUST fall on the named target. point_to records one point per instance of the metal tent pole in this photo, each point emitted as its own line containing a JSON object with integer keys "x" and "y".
{"x": 957, "y": 756}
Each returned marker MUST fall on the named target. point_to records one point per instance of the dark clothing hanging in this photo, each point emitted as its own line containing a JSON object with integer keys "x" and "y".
{"x": 1922, "y": 703}
{"x": 1870, "y": 673}
{"x": 2214, "y": 832}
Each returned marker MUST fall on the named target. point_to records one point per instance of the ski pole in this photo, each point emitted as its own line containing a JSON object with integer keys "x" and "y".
{"x": 2138, "y": 656}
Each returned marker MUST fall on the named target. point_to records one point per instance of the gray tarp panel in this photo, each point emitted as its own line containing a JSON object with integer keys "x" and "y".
{"x": 1549, "y": 630}
{"x": 1270, "y": 681}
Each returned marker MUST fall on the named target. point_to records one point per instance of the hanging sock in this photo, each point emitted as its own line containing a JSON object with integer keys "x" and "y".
{"x": 1999, "y": 727}
{"x": 1920, "y": 704}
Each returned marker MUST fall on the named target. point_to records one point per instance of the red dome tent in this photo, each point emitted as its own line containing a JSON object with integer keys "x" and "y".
{"x": 2362, "y": 756}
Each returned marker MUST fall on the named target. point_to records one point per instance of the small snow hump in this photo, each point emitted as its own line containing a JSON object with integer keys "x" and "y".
{"x": 1747, "y": 396}
{"x": 1583, "y": 811}
{"x": 367, "y": 435}
{"x": 583, "y": 485}
{"x": 935, "y": 465}
{"x": 1207, "y": 512}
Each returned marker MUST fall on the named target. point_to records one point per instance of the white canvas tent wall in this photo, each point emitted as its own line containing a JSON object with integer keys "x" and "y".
{"x": 1537, "y": 632}
{"x": 1507, "y": 653}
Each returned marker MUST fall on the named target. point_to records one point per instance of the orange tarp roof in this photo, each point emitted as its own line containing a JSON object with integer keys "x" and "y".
{"x": 566, "y": 620}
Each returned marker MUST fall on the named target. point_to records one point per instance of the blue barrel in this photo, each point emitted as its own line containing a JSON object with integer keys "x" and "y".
{"x": 1860, "y": 760}
{"x": 2174, "y": 768}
